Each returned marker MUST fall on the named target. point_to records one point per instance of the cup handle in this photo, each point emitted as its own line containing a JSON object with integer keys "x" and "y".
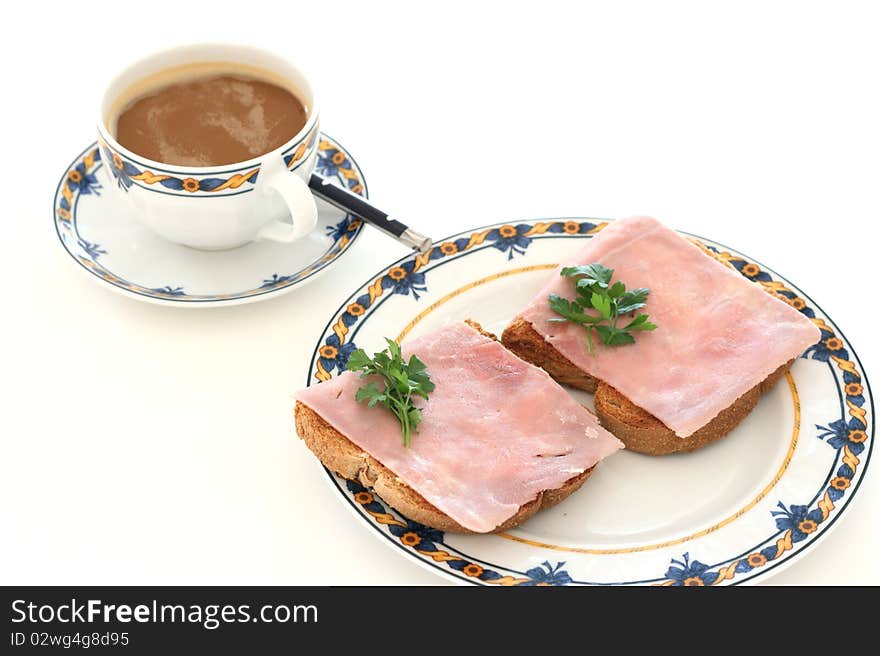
{"x": 299, "y": 201}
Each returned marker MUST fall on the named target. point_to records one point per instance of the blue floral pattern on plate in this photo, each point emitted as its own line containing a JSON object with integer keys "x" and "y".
{"x": 789, "y": 525}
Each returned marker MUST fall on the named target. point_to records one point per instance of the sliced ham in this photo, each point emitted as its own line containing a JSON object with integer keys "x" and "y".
{"x": 718, "y": 334}
{"x": 495, "y": 433}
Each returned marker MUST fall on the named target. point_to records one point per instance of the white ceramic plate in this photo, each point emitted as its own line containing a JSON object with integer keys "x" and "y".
{"x": 729, "y": 513}
{"x": 97, "y": 232}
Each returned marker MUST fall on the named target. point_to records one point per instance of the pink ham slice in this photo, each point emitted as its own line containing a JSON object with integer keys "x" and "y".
{"x": 718, "y": 334}
{"x": 496, "y": 430}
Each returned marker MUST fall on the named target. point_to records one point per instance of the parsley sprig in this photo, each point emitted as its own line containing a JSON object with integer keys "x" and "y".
{"x": 401, "y": 382}
{"x": 611, "y": 302}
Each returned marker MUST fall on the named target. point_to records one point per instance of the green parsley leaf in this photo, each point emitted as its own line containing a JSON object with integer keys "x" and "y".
{"x": 371, "y": 394}
{"x": 595, "y": 291}
{"x": 602, "y": 303}
{"x": 399, "y": 381}
{"x": 596, "y": 273}
{"x": 616, "y": 290}
{"x": 619, "y": 338}
{"x": 358, "y": 360}
{"x": 640, "y": 323}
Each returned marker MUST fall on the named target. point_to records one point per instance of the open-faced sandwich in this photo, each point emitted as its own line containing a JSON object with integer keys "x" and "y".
{"x": 678, "y": 355}
{"x": 464, "y": 433}
{"x": 495, "y": 441}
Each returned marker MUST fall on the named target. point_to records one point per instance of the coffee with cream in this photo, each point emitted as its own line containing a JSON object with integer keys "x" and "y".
{"x": 210, "y": 120}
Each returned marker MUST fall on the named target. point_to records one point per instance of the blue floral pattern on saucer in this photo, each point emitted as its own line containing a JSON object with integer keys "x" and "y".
{"x": 80, "y": 181}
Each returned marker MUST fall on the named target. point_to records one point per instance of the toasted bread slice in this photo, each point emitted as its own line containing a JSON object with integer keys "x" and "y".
{"x": 342, "y": 456}
{"x": 521, "y": 338}
{"x": 642, "y": 432}
{"x": 639, "y": 430}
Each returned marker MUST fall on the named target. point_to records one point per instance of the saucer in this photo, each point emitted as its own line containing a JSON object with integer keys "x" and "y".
{"x": 98, "y": 232}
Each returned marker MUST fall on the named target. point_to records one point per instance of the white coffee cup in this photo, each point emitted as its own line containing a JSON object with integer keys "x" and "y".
{"x": 215, "y": 207}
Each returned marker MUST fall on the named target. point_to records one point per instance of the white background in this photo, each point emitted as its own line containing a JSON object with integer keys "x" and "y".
{"x": 152, "y": 445}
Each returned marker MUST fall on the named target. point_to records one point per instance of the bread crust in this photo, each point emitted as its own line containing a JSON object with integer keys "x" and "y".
{"x": 639, "y": 430}
{"x": 342, "y": 456}
{"x": 524, "y": 341}
{"x": 642, "y": 432}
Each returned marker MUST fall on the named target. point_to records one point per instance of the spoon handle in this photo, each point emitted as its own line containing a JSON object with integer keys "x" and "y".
{"x": 359, "y": 207}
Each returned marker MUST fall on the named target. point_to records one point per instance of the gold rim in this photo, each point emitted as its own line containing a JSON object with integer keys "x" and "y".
{"x": 482, "y": 281}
